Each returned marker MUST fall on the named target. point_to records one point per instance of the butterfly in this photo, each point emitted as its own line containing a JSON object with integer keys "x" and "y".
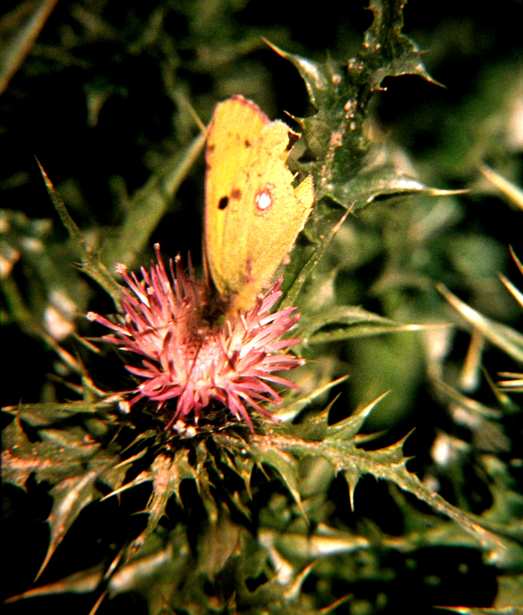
{"x": 254, "y": 209}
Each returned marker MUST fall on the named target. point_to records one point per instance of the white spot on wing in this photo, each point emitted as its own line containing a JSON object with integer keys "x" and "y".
{"x": 263, "y": 198}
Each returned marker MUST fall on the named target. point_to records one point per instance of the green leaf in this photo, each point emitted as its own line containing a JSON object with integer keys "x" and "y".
{"x": 284, "y": 464}
{"x": 91, "y": 263}
{"x": 509, "y": 340}
{"x": 358, "y": 323}
{"x": 44, "y": 413}
{"x": 347, "y": 428}
{"x": 166, "y": 473}
{"x": 16, "y": 47}
{"x": 218, "y": 543}
{"x": 512, "y": 193}
{"x": 138, "y": 573}
{"x": 46, "y": 460}
{"x": 338, "y": 135}
{"x": 70, "y": 497}
{"x": 290, "y": 410}
{"x": 387, "y": 463}
{"x": 382, "y": 182}
{"x": 388, "y": 50}
{"x": 323, "y": 242}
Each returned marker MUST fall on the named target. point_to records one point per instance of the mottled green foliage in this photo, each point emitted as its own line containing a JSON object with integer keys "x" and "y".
{"x": 338, "y": 134}
{"x": 335, "y": 508}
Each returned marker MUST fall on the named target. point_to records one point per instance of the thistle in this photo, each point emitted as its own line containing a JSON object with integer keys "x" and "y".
{"x": 186, "y": 358}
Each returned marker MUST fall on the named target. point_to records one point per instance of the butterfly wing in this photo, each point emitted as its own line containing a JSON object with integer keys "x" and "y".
{"x": 234, "y": 128}
{"x": 254, "y": 211}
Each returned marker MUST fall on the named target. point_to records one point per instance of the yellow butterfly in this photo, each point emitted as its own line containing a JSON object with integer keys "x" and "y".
{"x": 253, "y": 210}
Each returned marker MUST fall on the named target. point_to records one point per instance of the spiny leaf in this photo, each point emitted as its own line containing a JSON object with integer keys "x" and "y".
{"x": 46, "y": 460}
{"x": 218, "y": 543}
{"x": 338, "y": 133}
{"x": 386, "y": 181}
{"x": 291, "y": 410}
{"x": 509, "y": 340}
{"x": 291, "y": 296}
{"x": 516, "y": 260}
{"x": 80, "y": 582}
{"x": 91, "y": 263}
{"x": 512, "y": 193}
{"x": 512, "y": 381}
{"x": 358, "y": 323}
{"x": 70, "y": 497}
{"x": 390, "y": 52}
{"x": 512, "y": 289}
{"x": 293, "y": 591}
{"x": 389, "y": 464}
{"x": 508, "y": 499}
{"x": 473, "y": 407}
{"x": 63, "y": 295}
{"x": 182, "y": 469}
{"x": 136, "y": 573}
{"x": 350, "y": 426}
{"x": 44, "y": 413}
{"x": 284, "y": 464}
{"x": 167, "y": 473}
{"x": 352, "y": 476}
{"x": 15, "y": 49}
{"x": 324, "y": 542}
{"x": 16, "y": 463}
{"x": 72, "y": 494}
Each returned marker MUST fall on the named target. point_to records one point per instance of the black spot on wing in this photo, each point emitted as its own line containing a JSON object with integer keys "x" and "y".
{"x": 223, "y": 202}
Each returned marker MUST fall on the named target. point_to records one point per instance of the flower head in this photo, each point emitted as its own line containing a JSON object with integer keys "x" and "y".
{"x": 187, "y": 358}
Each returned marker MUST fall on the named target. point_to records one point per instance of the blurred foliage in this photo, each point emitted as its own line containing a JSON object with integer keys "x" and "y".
{"x": 403, "y": 294}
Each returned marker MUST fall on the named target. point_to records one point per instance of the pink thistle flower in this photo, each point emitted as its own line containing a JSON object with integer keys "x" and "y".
{"x": 187, "y": 358}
